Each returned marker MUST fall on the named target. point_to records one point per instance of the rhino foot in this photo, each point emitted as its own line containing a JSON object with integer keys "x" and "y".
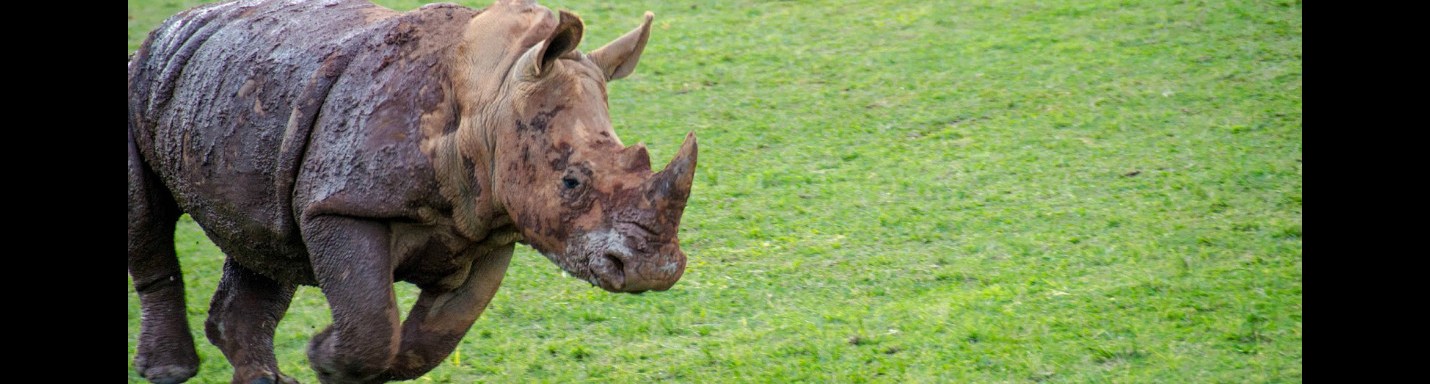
{"x": 167, "y": 374}
{"x": 273, "y": 379}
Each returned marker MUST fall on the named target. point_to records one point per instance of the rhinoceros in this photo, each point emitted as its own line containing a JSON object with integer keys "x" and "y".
{"x": 344, "y": 145}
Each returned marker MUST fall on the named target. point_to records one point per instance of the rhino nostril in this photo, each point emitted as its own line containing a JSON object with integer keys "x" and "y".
{"x": 613, "y": 275}
{"x": 616, "y": 263}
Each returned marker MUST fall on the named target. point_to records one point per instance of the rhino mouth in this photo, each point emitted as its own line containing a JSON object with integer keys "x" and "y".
{"x": 605, "y": 257}
{"x": 618, "y": 261}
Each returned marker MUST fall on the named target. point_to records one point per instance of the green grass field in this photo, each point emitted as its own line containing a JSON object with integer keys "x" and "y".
{"x": 984, "y": 191}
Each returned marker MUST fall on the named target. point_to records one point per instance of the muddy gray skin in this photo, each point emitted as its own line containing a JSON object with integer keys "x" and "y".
{"x": 344, "y": 145}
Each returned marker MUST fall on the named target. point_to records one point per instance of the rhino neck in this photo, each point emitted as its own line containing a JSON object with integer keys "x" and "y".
{"x": 463, "y": 134}
{"x": 463, "y": 155}
{"x": 464, "y": 181}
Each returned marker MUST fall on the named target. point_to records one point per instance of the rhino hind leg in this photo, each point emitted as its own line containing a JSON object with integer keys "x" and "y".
{"x": 166, "y": 348}
{"x": 245, "y": 310}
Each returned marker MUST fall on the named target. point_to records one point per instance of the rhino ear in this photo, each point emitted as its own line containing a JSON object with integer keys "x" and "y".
{"x": 618, "y": 58}
{"x": 537, "y": 60}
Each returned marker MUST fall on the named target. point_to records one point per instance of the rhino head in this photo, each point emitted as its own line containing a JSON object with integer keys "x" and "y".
{"x": 574, "y": 191}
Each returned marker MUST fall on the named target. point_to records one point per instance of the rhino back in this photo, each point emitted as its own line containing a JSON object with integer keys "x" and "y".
{"x": 229, "y": 103}
{"x": 365, "y": 155}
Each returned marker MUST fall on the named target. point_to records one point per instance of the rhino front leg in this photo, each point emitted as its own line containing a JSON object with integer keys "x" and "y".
{"x": 242, "y": 317}
{"x": 440, "y": 319}
{"x": 354, "y": 270}
{"x": 166, "y": 349}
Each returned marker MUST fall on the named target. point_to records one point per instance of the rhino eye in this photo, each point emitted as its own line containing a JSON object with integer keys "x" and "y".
{"x": 570, "y": 182}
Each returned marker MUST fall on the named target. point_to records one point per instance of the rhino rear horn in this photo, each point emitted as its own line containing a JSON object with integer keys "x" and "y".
{"x": 635, "y": 158}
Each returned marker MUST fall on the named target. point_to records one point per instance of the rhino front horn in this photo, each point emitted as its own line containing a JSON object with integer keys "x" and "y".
{"x": 671, "y": 186}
